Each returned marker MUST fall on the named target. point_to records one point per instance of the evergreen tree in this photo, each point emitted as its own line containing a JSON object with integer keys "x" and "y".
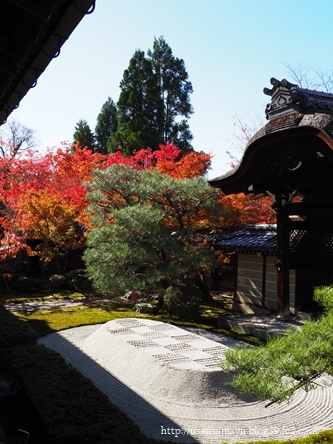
{"x": 136, "y": 107}
{"x": 174, "y": 91}
{"x": 297, "y": 361}
{"x": 83, "y": 135}
{"x": 154, "y": 103}
{"x": 106, "y": 125}
{"x": 145, "y": 228}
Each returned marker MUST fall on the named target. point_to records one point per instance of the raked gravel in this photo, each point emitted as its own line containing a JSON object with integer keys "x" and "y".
{"x": 170, "y": 382}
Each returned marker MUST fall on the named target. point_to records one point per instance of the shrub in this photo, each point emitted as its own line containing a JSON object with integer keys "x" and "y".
{"x": 78, "y": 280}
{"x": 28, "y": 284}
{"x": 183, "y": 301}
{"x": 57, "y": 281}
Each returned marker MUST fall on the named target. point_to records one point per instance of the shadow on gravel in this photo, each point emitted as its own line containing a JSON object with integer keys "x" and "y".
{"x": 152, "y": 422}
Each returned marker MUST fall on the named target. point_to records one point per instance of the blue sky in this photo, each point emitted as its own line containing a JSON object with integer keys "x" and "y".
{"x": 231, "y": 49}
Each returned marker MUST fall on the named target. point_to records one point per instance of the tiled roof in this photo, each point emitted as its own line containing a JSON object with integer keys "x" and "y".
{"x": 288, "y": 98}
{"x": 251, "y": 239}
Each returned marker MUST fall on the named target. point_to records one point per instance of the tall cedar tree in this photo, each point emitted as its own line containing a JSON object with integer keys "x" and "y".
{"x": 154, "y": 102}
{"x": 106, "y": 126}
{"x": 174, "y": 91}
{"x": 136, "y": 108}
{"x": 83, "y": 135}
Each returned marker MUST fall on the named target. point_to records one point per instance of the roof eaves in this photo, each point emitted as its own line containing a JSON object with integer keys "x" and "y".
{"x": 63, "y": 19}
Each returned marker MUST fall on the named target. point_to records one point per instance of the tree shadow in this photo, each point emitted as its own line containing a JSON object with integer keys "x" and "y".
{"x": 152, "y": 422}
{"x": 42, "y": 327}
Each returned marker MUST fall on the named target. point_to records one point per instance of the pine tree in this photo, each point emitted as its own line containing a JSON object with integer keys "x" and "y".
{"x": 83, "y": 135}
{"x": 145, "y": 228}
{"x": 106, "y": 125}
{"x": 286, "y": 364}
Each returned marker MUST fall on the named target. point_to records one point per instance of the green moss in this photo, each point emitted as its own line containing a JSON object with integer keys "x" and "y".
{"x": 324, "y": 437}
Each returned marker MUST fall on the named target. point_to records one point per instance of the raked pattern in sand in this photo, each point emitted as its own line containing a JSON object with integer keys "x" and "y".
{"x": 170, "y": 382}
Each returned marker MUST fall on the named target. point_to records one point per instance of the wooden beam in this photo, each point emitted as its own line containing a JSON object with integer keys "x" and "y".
{"x": 318, "y": 207}
{"x": 299, "y": 183}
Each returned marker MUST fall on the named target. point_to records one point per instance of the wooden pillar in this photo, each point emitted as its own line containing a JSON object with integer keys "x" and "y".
{"x": 282, "y": 262}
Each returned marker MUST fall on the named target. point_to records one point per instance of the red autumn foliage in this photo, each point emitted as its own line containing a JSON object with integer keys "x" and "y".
{"x": 167, "y": 160}
{"x": 43, "y": 197}
{"x": 243, "y": 209}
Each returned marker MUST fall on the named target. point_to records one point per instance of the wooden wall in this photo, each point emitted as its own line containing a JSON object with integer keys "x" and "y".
{"x": 250, "y": 286}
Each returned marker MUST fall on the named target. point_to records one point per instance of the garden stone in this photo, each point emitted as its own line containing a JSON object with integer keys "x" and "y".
{"x": 145, "y": 308}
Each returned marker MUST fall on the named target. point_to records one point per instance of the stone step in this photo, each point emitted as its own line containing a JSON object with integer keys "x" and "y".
{"x": 263, "y": 327}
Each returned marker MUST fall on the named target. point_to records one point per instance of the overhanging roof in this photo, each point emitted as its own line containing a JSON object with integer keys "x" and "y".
{"x": 289, "y": 153}
{"x": 251, "y": 239}
{"x": 293, "y": 153}
{"x": 32, "y": 33}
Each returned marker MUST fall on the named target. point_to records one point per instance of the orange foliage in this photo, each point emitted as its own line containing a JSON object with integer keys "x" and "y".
{"x": 242, "y": 209}
{"x": 39, "y": 193}
{"x": 44, "y": 197}
{"x": 167, "y": 159}
{"x": 191, "y": 165}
